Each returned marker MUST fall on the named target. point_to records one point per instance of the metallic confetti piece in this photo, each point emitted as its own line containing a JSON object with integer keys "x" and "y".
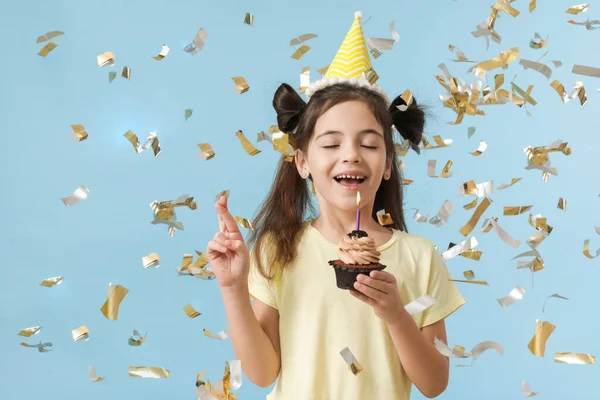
{"x": 527, "y": 390}
{"x": 200, "y": 377}
{"x": 42, "y": 347}
{"x": 249, "y": 147}
{"x": 485, "y": 30}
{"x": 589, "y": 24}
{"x": 219, "y": 336}
{"x": 470, "y": 225}
{"x": 469, "y": 274}
{"x": 535, "y": 239}
{"x": 79, "y": 194}
{"x": 52, "y": 281}
{"x": 302, "y": 38}
{"x": 512, "y": 182}
{"x": 470, "y": 205}
{"x": 469, "y": 281}
{"x": 480, "y": 348}
{"x": 198, "y": 43}
{"x": 579, "y": 91}
{"x": 395, "y": 34}
{"x": 532, "y": 5}
{"x": 471, "y": 131}
{"x": 515, "y": 295}
{"x": 207, "y": 152}
{"x": 190, "y": 311}
{"x": 470, "y": 188}
{"x": 241, "y": 86}
{"x": 543, "y": 330}
{"x": 500, "y": 61}
{"x": 223, "y": 193}
{"x": 587, "y": 71}
{"x": 385, "y": 219}
{"x": 380, "y": 43}
{"x": 352, "y": 362}
{"x": 540, "y": 223}
{"x": 431, "y": 166}
{"x": 49, "y": 35}
{"x": 126, "y": 73}
{"x": 81, "y": 333}
{"x": 586, "y": 250}
{"x": 460, "y": 56}
{"x": 375, "y": 53}
{"x": 188, "y": 113}
{"x": 244, "y": 222}
{"x": 442, "y": 216}
{"x": 149, "y": 372}
{"x": 133, "y": 341}
{"x": 516, "y": 210}
{"x": 151, "y": 261}
{"x": 301, "y": 51}
{"x": 555, "y": 295}
{"x": 304, "y": 78}
{"x": 560, "y": 89}
{"x": 457, "y": 352}
{"x": 419, "y": 218}
{"x": 249, "y": 19}
{"x": 420, "y": 304}
{"x": 204, "y": 394}
{"x": 116, "y": 293}
{"x": 536, "y": 66}
{"x": 47, "y": 49}
{"x": 579, "y": 8}
{"x": 105, "y": 59}
{"x": 504, "y": 236}
{"x": 79, "y": 133}
{"x": 152, "y": 140}
{"x": 93, "y": 376}
{"x": 27, "y": 332}
{"x": 538, "y": 42}
{"x": 111, "y": 76}
{"x": 454, "y": 251}
{"x": 562, "y": 204}
{"x": 538, "y": 157}
{"x": 526, "y": 95}
{"x": 471, "y": 254}
{"x": 574, "y": 358}
{"x": 482, "y": 146}
{"x": 235, "y": 367}
{"x": 487, "y": 226}
{"x": 163, "y": 53}
{"x": 556, "y": 63}
{"x": 503, "y": 5}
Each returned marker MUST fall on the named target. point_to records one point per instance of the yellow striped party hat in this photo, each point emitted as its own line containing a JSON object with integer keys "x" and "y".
{"x": 351, "y": 64}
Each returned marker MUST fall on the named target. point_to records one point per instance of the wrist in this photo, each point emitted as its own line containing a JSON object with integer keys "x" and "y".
{"x": 240, "y": 289}
{"x": 401, "y": 319}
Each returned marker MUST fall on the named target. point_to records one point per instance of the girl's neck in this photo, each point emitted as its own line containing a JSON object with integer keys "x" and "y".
{"x": 338, "y": 228}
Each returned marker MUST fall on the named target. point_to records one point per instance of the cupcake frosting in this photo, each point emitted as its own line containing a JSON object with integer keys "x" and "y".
{"x": 355, "y": 250}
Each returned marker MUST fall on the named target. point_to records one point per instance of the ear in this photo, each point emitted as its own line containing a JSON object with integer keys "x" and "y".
{"x": 301, "y": 161}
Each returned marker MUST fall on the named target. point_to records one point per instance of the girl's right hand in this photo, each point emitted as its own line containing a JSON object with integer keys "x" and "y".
{"x": 227, "y": 252}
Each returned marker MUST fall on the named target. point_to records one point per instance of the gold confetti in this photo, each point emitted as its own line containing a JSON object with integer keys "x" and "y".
{"x": 455, "y": 250}
{"x": 574, "y": 358}
{"x": 470, "y": 225}
{"x": 460, "y": 56}
{"x": 198, "y": 269}
{"x": 198, "y": 43}
{"x": 538, "y": 157}
{"x": 525, "y": 386}
{"x": 515, "y": 295}
{"x": 460, "y": 97}
{"x": 42, "y": 347}
{"x": 188, "y": 113}
{"x": 249, "y": 147}
{"x": 375, "y": 53}
{"x": 79, "y": 194}
{"x": 111, "y": 76}
{"x": 502, "y": 5}
{"x": 512, "y": 182}
{"x": 126, "y": 73}
{"x": 27, "y": 332}
{"x": 151, "y": 261}
{"x": 241, "y": 86}
{"x": 149, "y": 372}
{"x": 483, "y": 189}
{"x": 580, "y": 8}
{"x": 385, "y": 219}
{"x": 469, "y": 281}
{"x": 587, "y": 71}
{"x": 79, "y": 133}
{"x": 301, "y": 51}
{"x": 472, "y": 254}
{"x": 93, "y": 376}
{"x": 219, "y": 336}
{"x": 116, "y": 293}
{"x": 81, "y": 333}
{"x": 543, "y": 330}
{"x": 105, "y": 59}
{"x": 49, "y": 35}
{"x": 223, "y": 193}
{"x": 190, "y": 311}
{"x": 532, "y": 5}
{"x": 352, "y": 362}
{"x": 445, "y": 171}
{"x": 417, "y": 217}
{"x": 249, "y": 19}
{"x": 586, "y": 250}
{"x": 442, "y": 216}
{"x": 562, "y": 204}
{"x": 537, "y": 42}
{"x": 579, "y": 91}
{"x": 557, "y": 63}
{"x": 200, "y": 377}
{"x": 47, "y": 49}
{"x": 555, "y": 295}
{"x": 244, "y": 222}
{"x": 482, "y": 147}
{"x": 516, "y": 210}
{"x": 133, "y": 341}
{"x": 52, "y": 281}
{"x": 163, "y": 53}
{"x": 302, "y": 38}
{"x": 206, "y": 151}
{"x": 152, "y": 140}
{"x": 560, "y": 89}
{"x": 469, "y": 274}
{"x": 500, "y": 61}
{"x": 470, "y": 205}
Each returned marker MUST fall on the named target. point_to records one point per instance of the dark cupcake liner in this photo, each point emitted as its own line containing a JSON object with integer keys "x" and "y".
{"x": 346, "y": 275}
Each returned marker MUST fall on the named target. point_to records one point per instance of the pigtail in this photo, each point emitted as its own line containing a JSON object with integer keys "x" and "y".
{"x": 410, "y": 122}
{"x": 289, "y": 107}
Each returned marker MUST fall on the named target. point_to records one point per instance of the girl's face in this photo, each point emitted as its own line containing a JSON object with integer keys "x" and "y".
{"x": 347, "y": 140}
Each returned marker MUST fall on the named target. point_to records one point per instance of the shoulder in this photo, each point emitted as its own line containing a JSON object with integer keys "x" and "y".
{"x": 417, "y": 244}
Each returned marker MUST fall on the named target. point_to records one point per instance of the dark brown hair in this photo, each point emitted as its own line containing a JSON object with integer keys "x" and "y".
{"x": 281, "y": 215}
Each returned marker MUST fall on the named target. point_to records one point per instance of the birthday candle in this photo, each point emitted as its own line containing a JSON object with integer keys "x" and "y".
{"x": 357, "y": 211}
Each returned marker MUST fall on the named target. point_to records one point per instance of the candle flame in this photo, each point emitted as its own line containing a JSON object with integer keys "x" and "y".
{"x": 358, "y": 198}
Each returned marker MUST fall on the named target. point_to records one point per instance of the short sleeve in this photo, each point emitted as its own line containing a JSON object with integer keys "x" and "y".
{"x": 442, "y": 289}
{"x": 259, "y": 287}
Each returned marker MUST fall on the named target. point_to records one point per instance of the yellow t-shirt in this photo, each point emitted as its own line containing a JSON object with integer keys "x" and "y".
{"x": 317, "y": 320}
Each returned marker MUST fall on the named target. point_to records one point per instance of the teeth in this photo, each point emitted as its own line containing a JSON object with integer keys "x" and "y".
{"x": 350, "y": 177}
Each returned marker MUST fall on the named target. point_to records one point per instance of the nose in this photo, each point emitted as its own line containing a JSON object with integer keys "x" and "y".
{"x": 352, "y": 154}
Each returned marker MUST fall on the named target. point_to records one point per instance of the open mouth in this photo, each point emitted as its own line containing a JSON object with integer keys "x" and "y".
{"x": 350, "y": 181}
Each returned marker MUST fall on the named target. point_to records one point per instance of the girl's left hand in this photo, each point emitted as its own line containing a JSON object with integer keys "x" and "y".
{"x": 380, "y": 291}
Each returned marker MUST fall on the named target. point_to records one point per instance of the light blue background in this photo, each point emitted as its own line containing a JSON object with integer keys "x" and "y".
{"x": 103, "y": 238}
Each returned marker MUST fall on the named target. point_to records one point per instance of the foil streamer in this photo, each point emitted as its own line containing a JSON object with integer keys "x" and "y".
{"x": 57, "y": 280}
{"x": 81, "y": 333}
{"x": 94, "y": 376}
{"x": 562, "y": 204}
{"x": 574, "y": 358}
{"x": 249, "y": 19}
{"x": 190, "y": 311}
{"x": 586, "y": 71}
{"x": 301, "y": 51}
{"x": 136, "y": 341}
{"x": 482, "y": 147}
{"x": 241, "y": 86}
{"x": 219, "y": 336}
{"x": 527, "y": 390}
{"x": 516, "y": 210}
{"x": 106, "y": 59}
{"x": 249, "y": 147}
{"x": 49, "y": 35}
{"x": 454, "y": 251}
{"x": 469, "y": 281}
{"x": 420, "y": 304}
{"x": 506, "y": 238}
{"x": 116, "y": 294}
{"x": 304, "y": 79}
{"x": 163, "y": 53}
{"x": 126, "y": 73}
{"x": 536, "y": 66}
{"x": 151, "y": 261}
{"x": 352, "y": 362}
{"x": 47, "y": 49}
{"x": 149, "y": 372}
{"x": 543, "y": 330}
{"x": 515, "y": 295}
{"x": 206, "y": 152}
{"x": 579, "y": 8}
{"x": 301, "y": 39}
{"x": 79, "y": 134}
{"x": 28, "y": 332}
{"x": 556, "y": 296}
{"x": 442, "y": 216}
{"x": 470, "y": 225}
{"x": 244, "y": 222}
{"x": 197, "y": 43}
{"x": 42, "y": 347}
{"x": 79, "y": 194}
{"x": 504, "y": 185}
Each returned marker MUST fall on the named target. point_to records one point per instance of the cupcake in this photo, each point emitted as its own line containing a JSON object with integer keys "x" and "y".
{"x": 357, "y": 255}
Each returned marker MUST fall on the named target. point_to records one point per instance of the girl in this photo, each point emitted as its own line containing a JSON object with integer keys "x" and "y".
{"x": 300, "y": 321}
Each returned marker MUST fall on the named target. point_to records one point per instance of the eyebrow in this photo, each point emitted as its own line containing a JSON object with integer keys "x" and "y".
{"x": 363, "y": 132}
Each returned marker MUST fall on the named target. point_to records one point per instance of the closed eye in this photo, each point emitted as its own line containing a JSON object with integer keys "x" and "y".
{"x": 335, "y": 145}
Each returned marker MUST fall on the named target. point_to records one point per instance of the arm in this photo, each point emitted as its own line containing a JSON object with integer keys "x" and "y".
{"x": 423, "y": 363}
{"x": 254, "y": 334}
